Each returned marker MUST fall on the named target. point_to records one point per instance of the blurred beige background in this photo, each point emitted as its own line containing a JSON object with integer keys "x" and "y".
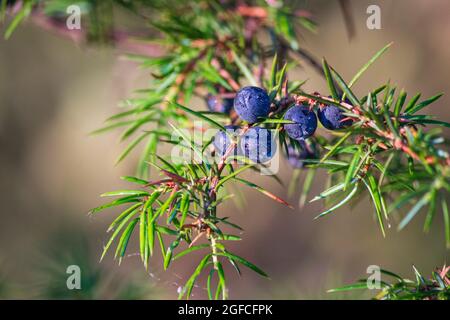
{"x": 53, "y": 93}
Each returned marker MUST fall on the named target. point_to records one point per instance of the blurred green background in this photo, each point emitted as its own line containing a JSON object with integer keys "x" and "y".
{"x": 54, "y": 92}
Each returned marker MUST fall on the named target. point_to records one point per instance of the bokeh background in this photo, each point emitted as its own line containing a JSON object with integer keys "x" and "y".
{"x": 54, "y": 92}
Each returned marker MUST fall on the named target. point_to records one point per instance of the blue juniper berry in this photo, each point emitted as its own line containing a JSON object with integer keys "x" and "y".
{"x": 216, "y": 103}
{"x": 332, "y": 117}
{"x": 222, "y": 140}
{"x": 296, "y": 155}
{"x": 305, "y": 122}
{"x": 258, "y": 144}
{"x": 252, "y": 103}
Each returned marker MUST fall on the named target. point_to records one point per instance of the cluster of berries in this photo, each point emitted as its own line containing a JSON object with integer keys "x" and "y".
{"x": 257, "y": 143}
{"x": 253, "y": 103}
{"x": 330, "y": 116}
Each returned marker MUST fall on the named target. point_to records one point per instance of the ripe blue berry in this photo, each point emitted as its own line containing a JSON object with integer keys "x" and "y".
{"x": 222, "y": 140}
{"x": 331, "y": 117}
{"x": 296, "y": 155}
{"x": 305, "y": 122}
{"x": 252, "y": 103}
{"x": 258, "y": 144}
{"x": 217, "y": 104}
